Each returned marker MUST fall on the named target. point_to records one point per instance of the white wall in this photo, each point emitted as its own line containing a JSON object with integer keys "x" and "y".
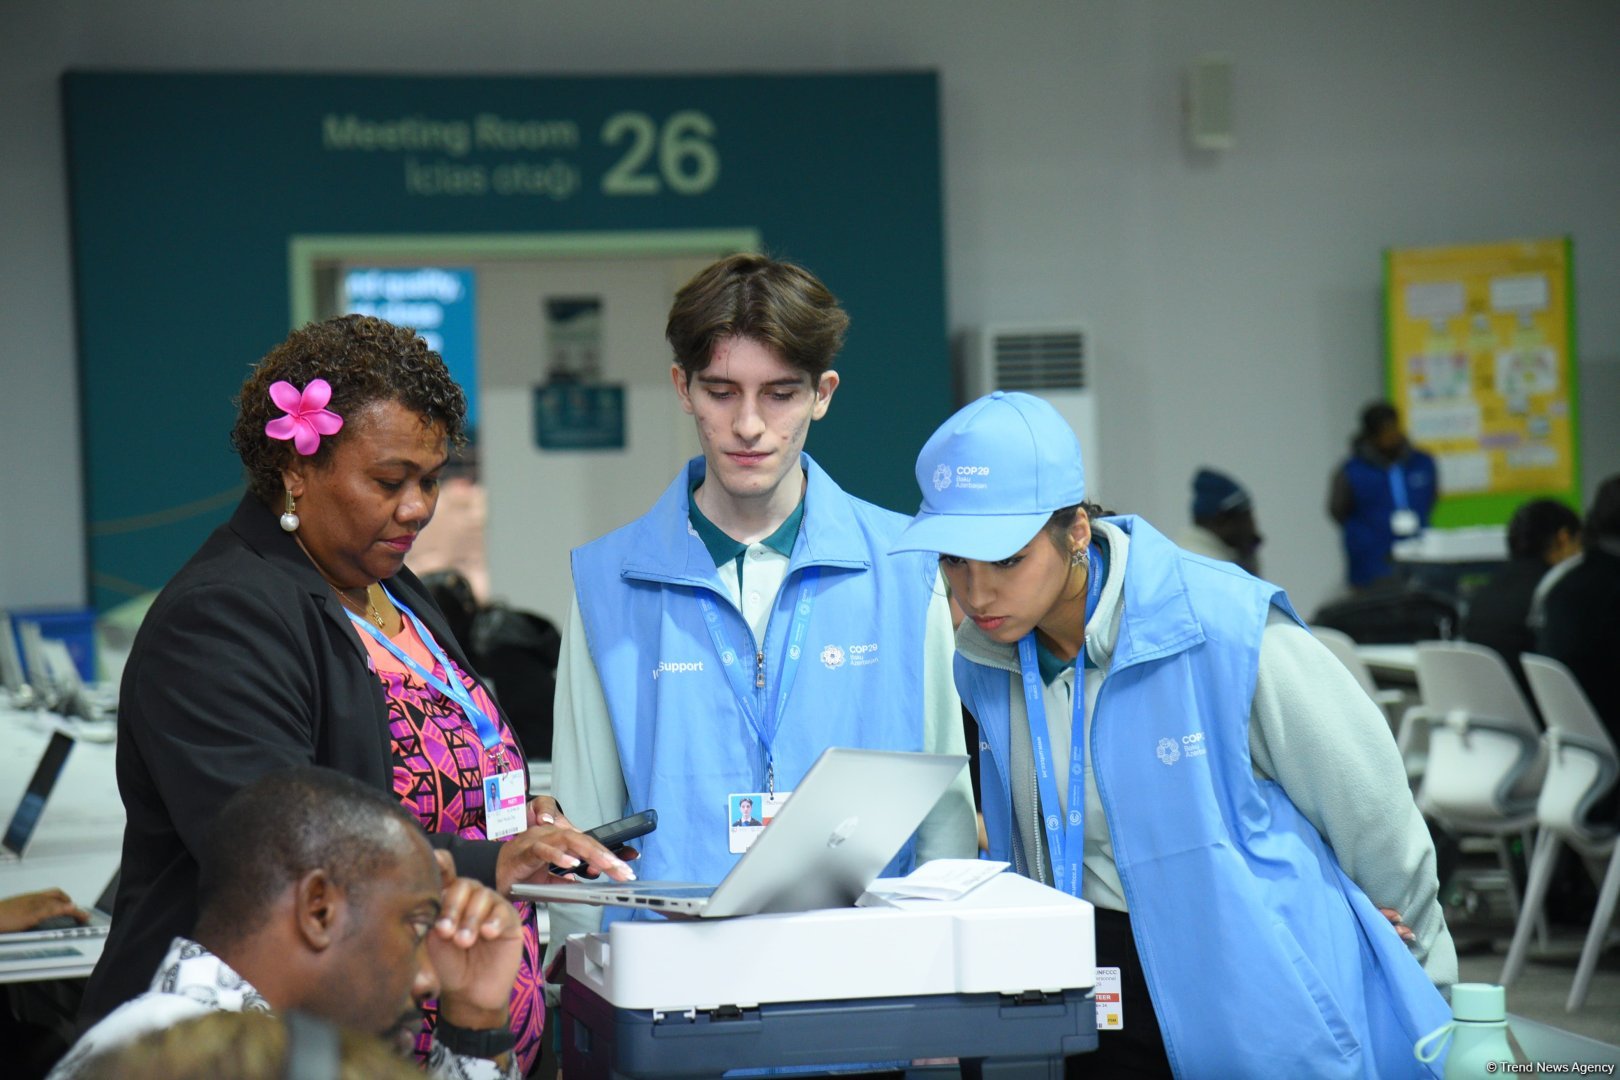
{"x": 1233, "y": 301}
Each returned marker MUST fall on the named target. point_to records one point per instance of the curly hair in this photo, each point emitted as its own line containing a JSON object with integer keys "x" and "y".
{"x": 366, "y": 360}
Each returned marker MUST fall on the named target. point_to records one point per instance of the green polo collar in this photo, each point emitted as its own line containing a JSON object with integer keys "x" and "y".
{"x": 723, "y": 549}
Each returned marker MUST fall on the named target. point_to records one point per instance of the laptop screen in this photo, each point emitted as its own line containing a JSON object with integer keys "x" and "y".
{"x": 28, "y": 813}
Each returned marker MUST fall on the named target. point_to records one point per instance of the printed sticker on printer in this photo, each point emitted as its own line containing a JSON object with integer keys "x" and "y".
{"x": 1110, "y": 1010}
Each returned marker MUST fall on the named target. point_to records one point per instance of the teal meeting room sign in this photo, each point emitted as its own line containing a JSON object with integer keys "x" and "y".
{"x": 187, "y": 193}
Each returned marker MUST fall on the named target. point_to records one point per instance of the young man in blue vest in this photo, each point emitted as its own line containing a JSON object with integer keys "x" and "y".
{"x": 753, "y": 617}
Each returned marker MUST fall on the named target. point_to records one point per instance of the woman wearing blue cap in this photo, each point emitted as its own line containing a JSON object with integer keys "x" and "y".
{"x": 1231, "y": 802}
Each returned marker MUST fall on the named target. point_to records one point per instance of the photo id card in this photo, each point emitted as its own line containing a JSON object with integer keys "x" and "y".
{"x": 747, "y": 814}
{"x": 504, "y": 809}
{"x": 1110, "y": 1010}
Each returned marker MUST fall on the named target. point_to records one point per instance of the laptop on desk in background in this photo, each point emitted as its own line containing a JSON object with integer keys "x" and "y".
{"x": 35, "y": 954}
{"x": 25, "y": 819}
{"x": 847, "y": 818}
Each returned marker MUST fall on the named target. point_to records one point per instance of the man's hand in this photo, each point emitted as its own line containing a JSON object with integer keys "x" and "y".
{"x": 30, "y": 909}
{"x": 527, "y": 858}
{"x": 476, "y": 946}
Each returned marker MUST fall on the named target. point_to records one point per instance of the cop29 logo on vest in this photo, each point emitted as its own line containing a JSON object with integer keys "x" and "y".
{"x": 942, "y": 477}
{"x": 1169, "y": 752}
{"x": 832, "y": 656}
{"x": 964, "y": 477}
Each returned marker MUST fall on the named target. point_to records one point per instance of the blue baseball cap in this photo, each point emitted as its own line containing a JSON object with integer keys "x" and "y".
{"x": 991, "y": 477}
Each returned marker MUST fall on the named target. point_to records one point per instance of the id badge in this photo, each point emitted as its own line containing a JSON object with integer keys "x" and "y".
{"x": 1404, "y": 523}
{"x": 1110, "y": 1010}
{"x": 747, "y": 814}
{"x": 504, "y": 812}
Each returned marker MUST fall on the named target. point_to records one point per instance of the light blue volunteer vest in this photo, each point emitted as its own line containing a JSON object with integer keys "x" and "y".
{"x": 1263, "y": 958}
{"x": 684, "y": 744}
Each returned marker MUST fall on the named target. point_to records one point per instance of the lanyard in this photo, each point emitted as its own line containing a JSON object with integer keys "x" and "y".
{"x": 750, "y": 696}
{"x": 450, "y": 686}
{"x": 1397, "y": 488}
{"x": 1066, "y": 844}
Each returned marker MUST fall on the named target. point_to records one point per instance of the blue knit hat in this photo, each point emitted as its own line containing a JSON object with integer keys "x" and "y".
{"x": 1216, "y": 493}
{"x": 991, "y": 477}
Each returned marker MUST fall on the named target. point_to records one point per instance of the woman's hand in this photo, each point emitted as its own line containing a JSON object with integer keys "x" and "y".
{"x": 543, "y": 810}
{"x": 1401, "y": 928}
{"x": 31, "y": 909}
{"x": 527, "y": 858}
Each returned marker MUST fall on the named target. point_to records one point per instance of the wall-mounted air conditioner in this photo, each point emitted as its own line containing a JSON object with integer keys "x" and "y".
{"x": 1051, "y": 361}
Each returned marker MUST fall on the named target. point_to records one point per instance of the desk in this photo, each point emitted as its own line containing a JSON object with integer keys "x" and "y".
{"x": 1390, "y": 663}
{"x": 80, "y": 835}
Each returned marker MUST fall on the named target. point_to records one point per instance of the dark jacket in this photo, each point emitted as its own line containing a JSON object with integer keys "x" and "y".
{"x": 245, "y": 663}
{"x": 1582, "y": 629}
{"x": 1499, "y": 613}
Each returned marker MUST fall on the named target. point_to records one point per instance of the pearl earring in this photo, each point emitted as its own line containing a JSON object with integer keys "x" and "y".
{"x": 289, "y": 520}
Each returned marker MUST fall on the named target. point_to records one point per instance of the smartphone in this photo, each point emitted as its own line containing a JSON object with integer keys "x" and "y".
{"x": 614, "y": 835}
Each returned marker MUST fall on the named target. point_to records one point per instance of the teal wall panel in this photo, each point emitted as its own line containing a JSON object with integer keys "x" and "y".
{"x": 185, "y": 190}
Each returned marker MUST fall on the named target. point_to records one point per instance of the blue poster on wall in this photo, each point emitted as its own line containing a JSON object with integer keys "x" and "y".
{"x": 438, "y": 303}
{"x": 188, "y": 193}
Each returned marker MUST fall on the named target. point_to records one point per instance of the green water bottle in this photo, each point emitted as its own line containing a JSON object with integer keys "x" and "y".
{"x": 1478, "y": 1034}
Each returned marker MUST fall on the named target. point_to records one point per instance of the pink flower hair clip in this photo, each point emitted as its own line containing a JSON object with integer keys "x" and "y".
{"x": 307, "y": 417}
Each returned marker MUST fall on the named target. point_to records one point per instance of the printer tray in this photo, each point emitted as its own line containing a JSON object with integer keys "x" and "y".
{"x": 1023, "y": 1037}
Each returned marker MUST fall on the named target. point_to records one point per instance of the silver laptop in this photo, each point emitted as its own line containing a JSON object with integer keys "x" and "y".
{"x": 25, "y": 819}
{"x": 100, "y": 922}
{"x": 58, "y": 953}
{"x": 846, "y": 819}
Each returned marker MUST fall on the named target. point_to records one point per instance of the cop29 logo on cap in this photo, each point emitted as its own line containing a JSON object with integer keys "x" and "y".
{"x": 942, "y": 477}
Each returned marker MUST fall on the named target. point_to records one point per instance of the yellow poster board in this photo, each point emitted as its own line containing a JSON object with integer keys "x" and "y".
{"x": 1481, "y": 366}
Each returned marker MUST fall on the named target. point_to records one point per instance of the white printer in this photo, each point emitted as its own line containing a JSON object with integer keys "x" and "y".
{"x": 1003, "y": 974}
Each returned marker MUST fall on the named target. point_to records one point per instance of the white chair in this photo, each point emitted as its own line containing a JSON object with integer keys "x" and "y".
{"x": 1582, "y": 768}
{"x": 1486, "y": 758}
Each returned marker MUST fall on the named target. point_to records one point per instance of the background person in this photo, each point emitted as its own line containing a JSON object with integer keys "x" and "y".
{"x": 1383, "y": 492}
{"x": 320, "y": 894}
{"x": 296, "y": 635}
{"x": 794, "y": 574}
{"x": 28, "y": 910}
{"x": 1223, "y": 525}
{"x": 1541, "y": 534}
{"x": 251, "y": 1046}
{"x": 1212, "y": 749}
{"x": 1582, "y": 620}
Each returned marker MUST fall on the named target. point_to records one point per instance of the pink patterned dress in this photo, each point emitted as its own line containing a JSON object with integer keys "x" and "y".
{"x": 437, "y": 776}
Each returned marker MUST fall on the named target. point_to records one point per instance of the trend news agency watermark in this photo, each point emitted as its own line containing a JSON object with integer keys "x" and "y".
{"x": 1536, "y": 1068}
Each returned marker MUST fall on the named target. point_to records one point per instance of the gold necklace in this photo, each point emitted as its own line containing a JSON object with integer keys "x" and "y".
{"x": 370, "y": 611}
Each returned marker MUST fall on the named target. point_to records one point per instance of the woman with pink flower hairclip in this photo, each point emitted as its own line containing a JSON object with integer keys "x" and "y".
{"x": 297, "y": 636}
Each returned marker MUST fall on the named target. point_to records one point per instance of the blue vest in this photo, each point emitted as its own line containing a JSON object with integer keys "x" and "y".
{"x": 684, "y": 743}
{"x": 1262, "y": 957}
{"x": 1368, "y": 537}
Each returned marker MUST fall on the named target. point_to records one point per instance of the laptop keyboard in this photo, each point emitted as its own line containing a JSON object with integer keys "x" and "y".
{"x": 48, "y": 952}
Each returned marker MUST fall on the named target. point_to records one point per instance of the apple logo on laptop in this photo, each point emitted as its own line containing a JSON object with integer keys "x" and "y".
{"x": 845, "y": 830}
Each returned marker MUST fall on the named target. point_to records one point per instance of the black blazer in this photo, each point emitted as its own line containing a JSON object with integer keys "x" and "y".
{"x": 245, "y": 663}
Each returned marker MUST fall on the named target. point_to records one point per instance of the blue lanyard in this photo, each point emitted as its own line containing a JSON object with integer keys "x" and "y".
{"x": 1397, "y": 488}
{"x": 1067, "y": 844}
{"x": 750, "y": 693}
{"x": 450, "y": 687}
